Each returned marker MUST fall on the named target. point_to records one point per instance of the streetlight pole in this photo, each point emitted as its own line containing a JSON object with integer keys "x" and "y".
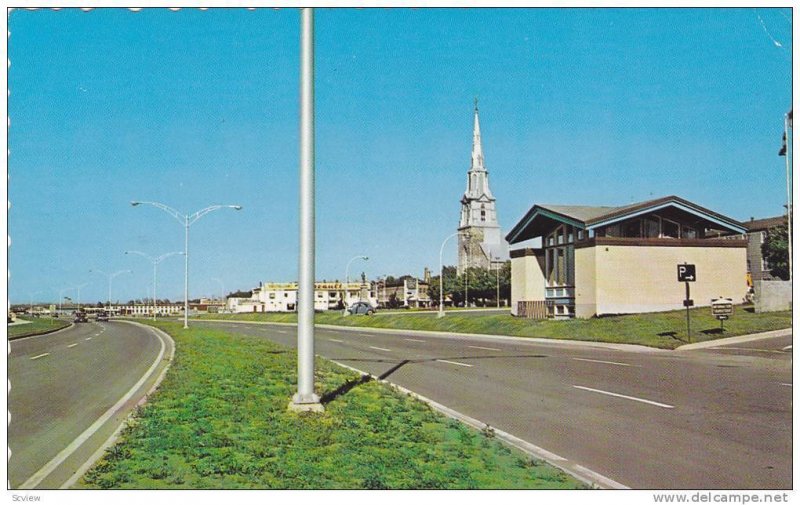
{"x": 787, "y": 124}
{"x": 347, "y": 280}
{"x": 186, "y": 220}
{"x": 497, "y": 272}
{"x": 110, "y": 279}
{"x": 441, "y": 275}
{"x": 155, "y": 262}
{"x": 305, "y": 399}
{"x": 222, "y": 288}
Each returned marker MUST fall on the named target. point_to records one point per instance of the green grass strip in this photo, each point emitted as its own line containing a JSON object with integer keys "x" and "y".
{"x": 220, "y": 421}
{"x": 37, "y": 326}
{"x": 665, "y": 330}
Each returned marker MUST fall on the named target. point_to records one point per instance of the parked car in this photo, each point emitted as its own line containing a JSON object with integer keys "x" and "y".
{"x": 102, "y": 316}
{"x": 80, "y": 317}
{"x": 362, "y": 308}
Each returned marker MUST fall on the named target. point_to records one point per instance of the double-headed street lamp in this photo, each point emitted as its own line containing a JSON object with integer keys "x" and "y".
{"x": 347, "y": 280}
{"x": 186, "y": 220}
{"x": 110, "y": 280}
{"x": 155, "y": 261}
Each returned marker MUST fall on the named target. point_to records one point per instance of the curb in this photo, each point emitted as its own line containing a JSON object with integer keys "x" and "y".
{"x": 47, "y": 332}
{"x": 445, "y": 334}
{"x": 735, "y": 340}
{"x": 583, "y": 474}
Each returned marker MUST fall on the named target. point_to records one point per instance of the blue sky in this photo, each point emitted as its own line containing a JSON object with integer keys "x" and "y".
{"x": 193, "y": 108}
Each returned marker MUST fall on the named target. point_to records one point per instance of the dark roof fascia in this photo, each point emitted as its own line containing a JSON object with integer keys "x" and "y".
{"x": 535, "y": 212}
{"x": 660, "y": 203}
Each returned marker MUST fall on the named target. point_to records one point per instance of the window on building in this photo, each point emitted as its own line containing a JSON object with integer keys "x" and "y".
{"x": 483, "y": 212}
{"x": 632, "y": 228}
{"x": 272, "y": 296}
{"x": 688, "y": 232}
{"x": 613, "y": 230}
{"x": 670, "y": 229}
{"x": 650, "y": 227}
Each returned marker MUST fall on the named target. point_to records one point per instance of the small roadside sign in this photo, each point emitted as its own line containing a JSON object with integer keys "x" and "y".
{"x": 686, "y": 273}
{"x": 722, "y": 308}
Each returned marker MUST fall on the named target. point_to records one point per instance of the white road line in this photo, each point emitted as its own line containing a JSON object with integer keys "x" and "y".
{"x": 72, "y": 345}
{"x": 662, "y": 405}
{"x": 380, "y": 349}
{"x": 335, "y": 340}
{"x": 746, "y": 349}
{"x": 606, "y": 362}
{"x": 785, "y": 384}
{"x": 413, "y": 340}
{"x": 485, "y": 348}
{"x": 40, "y": 356}
{"x": 786, "y": 348}
{"x": 453, "y": 362}
{"x": 365, "y": 335}
{"x": 89, "y": 338}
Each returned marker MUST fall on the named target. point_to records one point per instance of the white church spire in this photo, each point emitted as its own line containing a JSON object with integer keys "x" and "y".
{"x": 477, "y": 149}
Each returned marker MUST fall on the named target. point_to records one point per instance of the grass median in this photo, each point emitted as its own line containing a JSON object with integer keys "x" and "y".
{"x": 666, "y": 330}
{"x": 220, "y": 421}
{"x": 36, "y": 326}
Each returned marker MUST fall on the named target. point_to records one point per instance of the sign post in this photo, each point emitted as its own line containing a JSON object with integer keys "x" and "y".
{"x": 687, "y": 274}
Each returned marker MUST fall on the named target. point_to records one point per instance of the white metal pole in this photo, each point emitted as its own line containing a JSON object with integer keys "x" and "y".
{"x": 186, "y": 276}
{"x": 441, "y": 275}
{"x": 305, "y": 399}
{"x": 788, "y": 190}
{"x": 155, "y": 280}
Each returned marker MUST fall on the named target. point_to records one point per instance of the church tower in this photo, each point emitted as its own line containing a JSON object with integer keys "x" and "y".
{"x": 480, "y": 243}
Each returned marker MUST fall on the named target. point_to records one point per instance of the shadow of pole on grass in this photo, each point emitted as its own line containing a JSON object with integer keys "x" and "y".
{"x": 349, "y": 385}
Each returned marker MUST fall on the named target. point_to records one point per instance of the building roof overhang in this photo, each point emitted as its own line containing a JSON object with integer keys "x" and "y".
{"x": 541, "y": 219}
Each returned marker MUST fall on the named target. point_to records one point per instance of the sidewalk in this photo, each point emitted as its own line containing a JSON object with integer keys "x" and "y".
{"x": 735, "y": 340}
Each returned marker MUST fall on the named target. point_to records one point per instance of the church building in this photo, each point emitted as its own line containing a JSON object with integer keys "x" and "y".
{"x": 480, "y": 242}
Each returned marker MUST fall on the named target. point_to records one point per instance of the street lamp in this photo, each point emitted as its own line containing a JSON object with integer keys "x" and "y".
{"x": 110, "y": 279}
{"x": 441, "y": 275}
{"x": 222, "y": 287}
{"x": 347, "y": 280}
{"x": 155, "y": 262}
{"x": 186, "y": 220}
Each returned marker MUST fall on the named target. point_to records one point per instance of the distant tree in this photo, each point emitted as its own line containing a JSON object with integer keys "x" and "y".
{"x": 393, "y": 302}
{"x": 100, "y": 305}
{"x": 390, "y": 281}
{"x": 775, "y": 251}
{"x": 240, "y": 294}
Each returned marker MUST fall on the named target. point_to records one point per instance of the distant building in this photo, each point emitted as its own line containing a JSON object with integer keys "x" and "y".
{"x": 757, "y": 232}
{"x": 410, "y": 293}
{"x": 480, "y": 243}
{"x": 621, "y": 260}
{"x": 282, "y": 297}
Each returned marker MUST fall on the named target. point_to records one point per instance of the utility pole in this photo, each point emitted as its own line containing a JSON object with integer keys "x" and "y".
{"x": 305, "y": 399}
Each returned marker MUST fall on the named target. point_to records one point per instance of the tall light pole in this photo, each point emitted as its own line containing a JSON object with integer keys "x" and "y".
{"x": 186, "y": 220}
{"x": 155, "y": 262}
{"x": 31, "y": 295}
{"x": 305, "y": 399}
{"x": 787, "y": 125}
{"x": 497, "y": 272}
{"x": 347, "y": 280}
{"x": 441, "y": 275}
{"x": 110, "y": 280}
{"x": 221, "y": 287}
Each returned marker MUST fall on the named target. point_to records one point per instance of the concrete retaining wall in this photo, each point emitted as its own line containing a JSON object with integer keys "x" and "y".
{"x": 771, "y": 296}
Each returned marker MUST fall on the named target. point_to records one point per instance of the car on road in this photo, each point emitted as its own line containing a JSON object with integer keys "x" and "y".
{"x": 80, "y": 317}
{"x": 102, "y": 316}
{"x": 361, "y": 308}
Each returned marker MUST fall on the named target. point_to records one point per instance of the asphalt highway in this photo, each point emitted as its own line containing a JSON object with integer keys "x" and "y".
{"x": 717, "y": 418}
{"x": 62, "y": 384}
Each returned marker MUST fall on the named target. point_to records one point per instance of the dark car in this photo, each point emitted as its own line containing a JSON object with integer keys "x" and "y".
{"x": 102, "y": 316}
{"x": 362, "y": 308}
{"x": 80, "y": 317}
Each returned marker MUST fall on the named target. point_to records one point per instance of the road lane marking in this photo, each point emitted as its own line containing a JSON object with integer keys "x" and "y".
{"x": 747, "y": 349}
{"x": 365, "y": 335}
{"x": 335, "y": 340}
{"x": 609, "y": 393}
{"x": 606, "y": 362}
{"x": 72, "y": 345}
{"x": 453, "y": 362}
{"x": 89, "y": 338}
{"x": 786, "y": 348}
{"x": 51, "y": 465}
{"x": 413, "y": 340}
{"x": 785, "y": 384}
{"x": 485, "y": 348}
{"x": 380, "y": 348}
{"x": 40, "y": 356}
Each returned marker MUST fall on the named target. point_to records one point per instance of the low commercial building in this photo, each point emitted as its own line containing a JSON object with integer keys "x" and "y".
{"x": 591, "y": 261}
{"x": 411, "y": 293}
{"x": 757, "y": 232}
{"x": 282, "y": 297}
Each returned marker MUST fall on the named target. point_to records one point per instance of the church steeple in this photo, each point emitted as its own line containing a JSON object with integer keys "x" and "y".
{"x": 477, "y": 149}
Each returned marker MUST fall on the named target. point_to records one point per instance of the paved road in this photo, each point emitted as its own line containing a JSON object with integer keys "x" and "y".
{"x": 61, "y": 384}
{"x": 710, "y": 419}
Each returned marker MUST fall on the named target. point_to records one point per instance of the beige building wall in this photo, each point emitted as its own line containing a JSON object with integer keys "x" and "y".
{"x": 631, "y": 279}
{"x": 527, "y": 280}
{"x": 585, "y": 285}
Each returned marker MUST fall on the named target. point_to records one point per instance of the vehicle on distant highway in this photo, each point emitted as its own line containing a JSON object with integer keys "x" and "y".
{"x": 80, "y": 317}
{"x": 361, "y": 308}
{"x": 102, "y": 316}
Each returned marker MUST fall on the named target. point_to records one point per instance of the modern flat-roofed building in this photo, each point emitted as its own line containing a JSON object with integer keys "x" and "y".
{"x": 616, "y": 260}
{"x": 282, "y": 297}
